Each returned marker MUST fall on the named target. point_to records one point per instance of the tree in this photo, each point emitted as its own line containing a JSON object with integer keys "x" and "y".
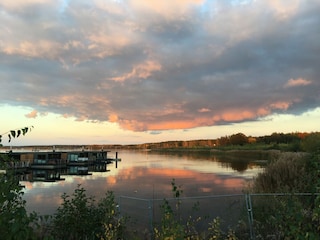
{"x": 15, "y": 222}
{"x": 238, "y": 139}
{"x": 223, "y": 141}
{"x": 311, "y": 143}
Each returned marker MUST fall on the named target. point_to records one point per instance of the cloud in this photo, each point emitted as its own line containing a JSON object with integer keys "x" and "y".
{"x": 20, "y": 4}
{"x": 166, "y": 8}
{"x": 204, "y": 110}
{"x": 297, "y": 82}
{"x": 32, "y": 114}
{"x": 141, "y": 71}
{"x": 167, "y": 65}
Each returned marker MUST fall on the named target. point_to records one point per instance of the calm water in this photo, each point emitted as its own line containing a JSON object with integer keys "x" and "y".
{"x": 149, "y": 175}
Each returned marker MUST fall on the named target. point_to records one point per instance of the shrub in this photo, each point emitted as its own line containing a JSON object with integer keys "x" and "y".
{"x": 288, "y": 172}
{"x": 79, "y": 217}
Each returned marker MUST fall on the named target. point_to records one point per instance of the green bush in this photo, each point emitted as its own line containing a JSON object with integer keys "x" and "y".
{"x": 79, "y": 217}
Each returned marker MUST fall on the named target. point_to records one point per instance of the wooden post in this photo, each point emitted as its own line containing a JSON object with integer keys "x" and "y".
{"x": 116, "y": 159}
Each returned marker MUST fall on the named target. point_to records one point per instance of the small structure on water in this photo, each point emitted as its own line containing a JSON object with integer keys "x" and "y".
{"x": 50, "y": 165}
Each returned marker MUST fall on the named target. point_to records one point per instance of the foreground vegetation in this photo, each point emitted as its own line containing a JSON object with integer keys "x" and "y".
{"x": 279, "y": 216}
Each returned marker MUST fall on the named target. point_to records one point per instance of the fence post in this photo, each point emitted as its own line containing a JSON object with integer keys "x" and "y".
{"x": 151, "y": 216}
{"x": 119, "y": 205}
{"x": 250, "y": 215}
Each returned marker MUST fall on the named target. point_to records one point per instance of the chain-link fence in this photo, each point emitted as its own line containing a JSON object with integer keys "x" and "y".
{"x": 252, "y": 216}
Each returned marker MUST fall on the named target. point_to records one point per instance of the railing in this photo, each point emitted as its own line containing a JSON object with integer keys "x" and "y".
{"x": 145, "y": 214}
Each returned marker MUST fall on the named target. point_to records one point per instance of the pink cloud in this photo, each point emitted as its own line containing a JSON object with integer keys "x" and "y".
{"x": 280, "y": 105}
{"x": 143, "y": 70}
{"x": 33, "y": 114}
{"x": 297, "y": 82}
{"x": 231, "y": 115}
{"x": 36, "y": 48}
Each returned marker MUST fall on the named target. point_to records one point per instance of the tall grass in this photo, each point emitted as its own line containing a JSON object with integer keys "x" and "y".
{"x": 287, "y": 172}
{"x": 289, "y": 216}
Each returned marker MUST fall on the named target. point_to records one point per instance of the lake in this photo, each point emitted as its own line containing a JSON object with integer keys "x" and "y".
{"x": 148, "y": 175}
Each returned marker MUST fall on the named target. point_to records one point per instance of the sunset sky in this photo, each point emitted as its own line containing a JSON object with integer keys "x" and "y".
{"x": 137, "y": 71}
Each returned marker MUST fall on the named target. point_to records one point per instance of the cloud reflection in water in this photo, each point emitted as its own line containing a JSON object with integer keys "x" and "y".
{"x": 145, "y": 175}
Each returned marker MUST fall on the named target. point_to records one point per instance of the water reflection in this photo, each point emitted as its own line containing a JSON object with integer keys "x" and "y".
{"x": 148, "y": 175}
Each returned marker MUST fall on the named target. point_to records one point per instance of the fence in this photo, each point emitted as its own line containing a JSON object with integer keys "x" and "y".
{"x": 145, "y": 214}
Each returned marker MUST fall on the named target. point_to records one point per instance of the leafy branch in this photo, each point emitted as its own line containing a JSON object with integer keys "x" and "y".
{"x": 15, "y": 133}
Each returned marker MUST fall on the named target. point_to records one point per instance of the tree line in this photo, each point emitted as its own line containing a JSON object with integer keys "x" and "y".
{"x": 296, "y": 141}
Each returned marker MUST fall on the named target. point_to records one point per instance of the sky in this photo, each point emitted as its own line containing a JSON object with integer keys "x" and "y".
{"x": 139, "y": 71}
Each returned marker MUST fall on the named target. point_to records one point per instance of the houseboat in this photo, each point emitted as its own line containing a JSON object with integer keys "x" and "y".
{"x": 48, "y": 160}
{"x": 50, "y": 165}
{"x": 84, "y": 161}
